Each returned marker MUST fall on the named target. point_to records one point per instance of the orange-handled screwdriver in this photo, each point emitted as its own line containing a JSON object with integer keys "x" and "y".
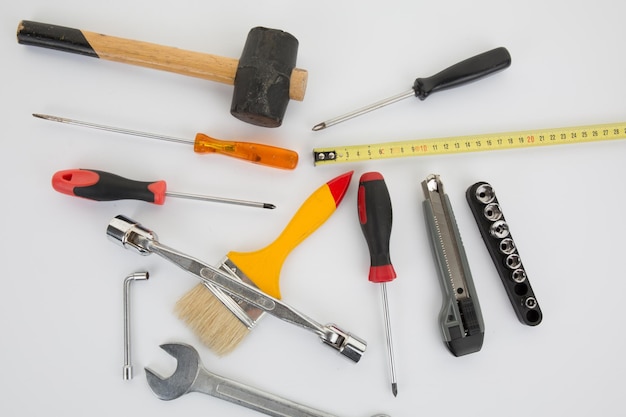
{"x": 257, "y": 153}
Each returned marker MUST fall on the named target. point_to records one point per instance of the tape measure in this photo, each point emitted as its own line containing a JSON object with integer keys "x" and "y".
{"x": 471, "y": 143}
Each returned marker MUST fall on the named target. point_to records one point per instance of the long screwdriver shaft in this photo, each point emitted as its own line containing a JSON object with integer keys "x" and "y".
{"x": 363, "y": 110}
{"x": 111, "y": 128}
{"x": 389, "y": 340}
{"x": 220, "y": 200}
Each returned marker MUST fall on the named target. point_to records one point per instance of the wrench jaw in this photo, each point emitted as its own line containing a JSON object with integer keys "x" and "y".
{"x": 345, "y": 343}
{"x": 181, "y": 381}
{"x": 130, "y": 235}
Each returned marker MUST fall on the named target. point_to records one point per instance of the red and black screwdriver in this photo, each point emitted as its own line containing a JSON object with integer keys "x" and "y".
{"x": 375, "y": 216}
{"x": 104, "y": 186}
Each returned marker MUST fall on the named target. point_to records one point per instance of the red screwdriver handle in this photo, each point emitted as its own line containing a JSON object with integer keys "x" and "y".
{"x": 104, "y": 186}
{"x": 375, "y": 216}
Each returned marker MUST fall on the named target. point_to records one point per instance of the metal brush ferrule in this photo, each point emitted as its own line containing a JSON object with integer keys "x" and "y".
{"x": 347, "y": 344}
{"x": 130, "y": 234}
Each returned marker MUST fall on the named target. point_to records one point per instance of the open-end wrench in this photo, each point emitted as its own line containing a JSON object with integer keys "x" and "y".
{"x": 191, "y": 376}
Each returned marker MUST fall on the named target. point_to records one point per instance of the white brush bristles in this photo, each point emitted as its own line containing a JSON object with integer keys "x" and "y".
{"x": 216, "y": 326}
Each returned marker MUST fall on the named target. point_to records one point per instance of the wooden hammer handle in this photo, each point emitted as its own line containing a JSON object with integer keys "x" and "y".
{"x": 143, "y": 54}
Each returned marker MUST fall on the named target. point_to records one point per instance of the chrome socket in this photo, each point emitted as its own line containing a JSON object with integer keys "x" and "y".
{"x": 519, "y": 275}
{"x": 130, "y": 235}
{"x": 513, "y": 261}
{"x": 530, "y": 302}
{"x": 484, "y": 193}
{"x": 507, "y": 246}
{"x": 499, "y": 229}
{"x": 345, "y": 343}
{"x": 492, "y": 212}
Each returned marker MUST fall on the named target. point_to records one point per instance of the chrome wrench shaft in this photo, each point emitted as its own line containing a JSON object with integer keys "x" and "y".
{"x": 191, "y": 376}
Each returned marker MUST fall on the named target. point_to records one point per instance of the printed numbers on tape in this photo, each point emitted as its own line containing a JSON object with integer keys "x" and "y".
{"x": 470, "y": 143}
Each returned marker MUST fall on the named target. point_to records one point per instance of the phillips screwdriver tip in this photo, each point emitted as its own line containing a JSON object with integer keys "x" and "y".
{"x": 269, "y": 206}
{"x": 319, "y": 126}
{"x": 52, "y": 118}
{"x": 394, "y": 389}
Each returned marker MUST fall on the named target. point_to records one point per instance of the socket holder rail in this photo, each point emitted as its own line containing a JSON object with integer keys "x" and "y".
{"x": 496, "y": 234}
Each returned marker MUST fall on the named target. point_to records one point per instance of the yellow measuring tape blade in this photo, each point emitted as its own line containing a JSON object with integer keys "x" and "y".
{"x": 471, "y": 143}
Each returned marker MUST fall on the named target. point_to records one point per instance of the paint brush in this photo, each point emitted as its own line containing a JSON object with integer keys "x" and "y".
{"x": 221, "y": 321}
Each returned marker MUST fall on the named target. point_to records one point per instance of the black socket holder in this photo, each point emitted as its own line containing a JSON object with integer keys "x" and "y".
{"x": 496, "y": 234}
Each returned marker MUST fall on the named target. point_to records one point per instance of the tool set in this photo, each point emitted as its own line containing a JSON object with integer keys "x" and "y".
{"x": 133, "y": 236}
{"x": 104, "y": 186}
{"x": 256, "y": 153}
{"x": 375, "y": 216}
{"x": 464, "y": 72}
{"x": 495, "y": 232}
{"x": 127, "y": 370}
{"x": 264, "y": 78}
{"x": 232, "y": 296}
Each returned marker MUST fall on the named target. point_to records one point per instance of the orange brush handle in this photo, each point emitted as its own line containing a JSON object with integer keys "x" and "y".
{"x": 253, "y": 152}
{"x": 263, "y": 266}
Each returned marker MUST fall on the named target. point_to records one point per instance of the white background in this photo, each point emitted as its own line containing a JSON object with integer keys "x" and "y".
{"x": 61, "y": 279}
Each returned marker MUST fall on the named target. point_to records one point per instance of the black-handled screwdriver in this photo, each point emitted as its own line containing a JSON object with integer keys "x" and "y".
{"x": 375, "y": 216}
{"x": 104, "y": 186}
{"x": 464, "y": 72}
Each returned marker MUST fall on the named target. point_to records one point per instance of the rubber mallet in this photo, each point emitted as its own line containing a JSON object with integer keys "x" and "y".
{"x": 264, "y": 78}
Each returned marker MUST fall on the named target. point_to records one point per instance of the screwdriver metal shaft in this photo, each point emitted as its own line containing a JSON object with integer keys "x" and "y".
{"x": 363, "y": 110}
{"x": 389, "y": 340}
{"x": 221, "y": 200}
{"x": 111, "y": 128}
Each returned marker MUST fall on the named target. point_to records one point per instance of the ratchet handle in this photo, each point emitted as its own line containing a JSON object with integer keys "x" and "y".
{"x": 375, "y": 216}
{"x": 464, "y": 72}
{"x": 104, "y": 186}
